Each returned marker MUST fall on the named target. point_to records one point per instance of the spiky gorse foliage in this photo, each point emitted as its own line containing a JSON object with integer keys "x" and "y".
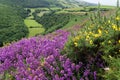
{"x": 99, "y": 43}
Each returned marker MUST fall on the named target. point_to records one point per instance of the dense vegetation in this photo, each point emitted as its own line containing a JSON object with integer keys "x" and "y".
{"x": 91, "y": 54}
{"x": 45, "y": 3}
{"x": 26, "y": 3}
{"x": 12, "y": 26}
{"x": 99, "y": 43}
{"x": 87, "y": 52}
{"x": 52, "y": 21}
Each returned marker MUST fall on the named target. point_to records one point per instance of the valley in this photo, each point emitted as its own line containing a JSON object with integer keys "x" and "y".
{"x": 59, "y": 40}
{"x": 76, "y": 16}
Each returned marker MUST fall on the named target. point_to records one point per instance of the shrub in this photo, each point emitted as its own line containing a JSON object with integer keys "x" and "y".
{"x": 95, "y": 43}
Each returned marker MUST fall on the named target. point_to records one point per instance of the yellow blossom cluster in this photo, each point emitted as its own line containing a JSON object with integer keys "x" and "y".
{"x": 109, "y": 42}
{"x": 75, "y": 40}
{"x": 91, "y": 32}
{"x": 119, "y": 41}
{"x": 117, "y": 18}
{"x": 115, "y": 27}
{"x": 109, "y": 21}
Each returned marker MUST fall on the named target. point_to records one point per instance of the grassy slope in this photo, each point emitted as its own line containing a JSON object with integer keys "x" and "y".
{"x": 33, "y": 23}
{"x": 75, "y": 20}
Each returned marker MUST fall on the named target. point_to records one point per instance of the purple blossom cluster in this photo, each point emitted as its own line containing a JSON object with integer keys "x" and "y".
{"x": 38, "y": 58}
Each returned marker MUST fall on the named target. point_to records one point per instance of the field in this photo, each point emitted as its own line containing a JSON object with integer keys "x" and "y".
{"x": 34, "y": 27}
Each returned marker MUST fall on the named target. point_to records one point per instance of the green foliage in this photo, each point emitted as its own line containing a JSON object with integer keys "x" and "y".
{"x": 12, "y": 26}
{"x": 44, "y": 3}
{"x": 114, "y": 72}
{"x": 100, "y": 37}
{"x": 52, "y": 21}
{"x": 27, "y": 3}
{"x": 95, "y": 9}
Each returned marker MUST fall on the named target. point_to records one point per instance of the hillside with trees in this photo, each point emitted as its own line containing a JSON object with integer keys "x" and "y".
{"x": 46, "y": 3}
{"x": 12, "y": 26}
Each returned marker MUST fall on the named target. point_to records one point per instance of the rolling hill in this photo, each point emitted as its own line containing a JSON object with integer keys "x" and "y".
{"x": 12, "y": 26}
{"x": 46, "y": 3}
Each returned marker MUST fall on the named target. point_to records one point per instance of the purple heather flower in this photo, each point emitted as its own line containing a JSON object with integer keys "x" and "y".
{"x": 70, "y": 74}
{"x": 81, "y": 79}
{"x": 62, "y": 72}
{"x": 86, "y": 72}
{"x": 56, "y": 77}
{"x": 73, "y": 66}
{"x": 95, "y": 75}
{"x": 74, "y": 78}
{"x": 77, "y": 67}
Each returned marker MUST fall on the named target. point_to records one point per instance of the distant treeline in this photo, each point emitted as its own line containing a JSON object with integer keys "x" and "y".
{"x": 31, "y": 3}
{"x": 12, "y": 25}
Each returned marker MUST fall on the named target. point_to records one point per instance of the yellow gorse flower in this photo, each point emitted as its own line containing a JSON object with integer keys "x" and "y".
{"x": 109, "y": 41}
{"x": 90, "y": 33}
{"x": 96, "y": 35}
{"x": 91, "y": 42}
{"x": 115, "y": 27}
{"x": 119, "y": 29}
{"x": 99, "y": 31}
{"x": 76, "y": 44}
{"x": 119, "y": 41}
{"x": 108, "y": 21}
{"x": 117, "y": 18}
{"x": 76, "y": 38}
{"x": 106, "y": 32}
{"x": 87, "y": 37}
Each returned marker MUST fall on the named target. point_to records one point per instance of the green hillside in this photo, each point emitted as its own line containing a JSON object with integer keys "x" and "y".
{"x": 12, "y": 26}
{"x": 45, "y": 3}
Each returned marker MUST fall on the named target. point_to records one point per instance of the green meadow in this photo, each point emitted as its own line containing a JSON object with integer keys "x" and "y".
{"x": 34, "y": 27}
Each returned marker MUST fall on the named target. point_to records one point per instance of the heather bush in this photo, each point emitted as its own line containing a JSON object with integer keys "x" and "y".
{"x": 36, "y": 58}
{"x": 39, "y": 58}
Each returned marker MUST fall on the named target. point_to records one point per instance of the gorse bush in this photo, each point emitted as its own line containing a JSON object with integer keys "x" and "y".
{"x": 96, "y": 43}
